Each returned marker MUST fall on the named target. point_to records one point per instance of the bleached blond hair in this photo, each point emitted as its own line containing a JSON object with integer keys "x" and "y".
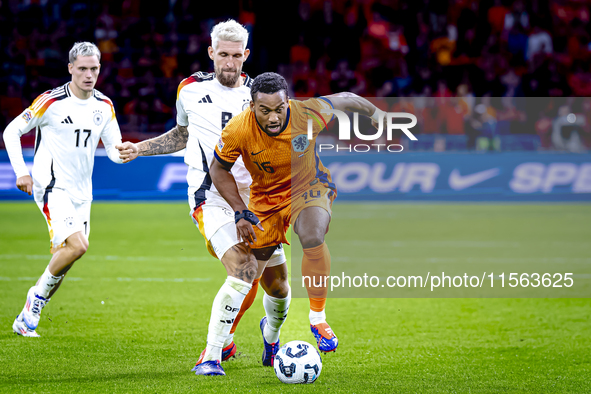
{"x": 229, "y": 30}
{"x": 83, "y": 49}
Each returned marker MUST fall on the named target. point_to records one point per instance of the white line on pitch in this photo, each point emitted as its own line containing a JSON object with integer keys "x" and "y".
{"x": 108, "y": 258}
{"x": 71, "y": 278}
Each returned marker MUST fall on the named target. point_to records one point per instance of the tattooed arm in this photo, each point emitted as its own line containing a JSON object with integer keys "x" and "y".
{"x": 169, "y": 142}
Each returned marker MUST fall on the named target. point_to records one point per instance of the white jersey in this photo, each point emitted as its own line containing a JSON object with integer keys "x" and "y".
{"x": 205, "y": 106}
{"x": 68, "y": 132}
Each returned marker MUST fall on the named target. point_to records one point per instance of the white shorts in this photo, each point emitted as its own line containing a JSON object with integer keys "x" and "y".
{"x": 216, "y": 212}
{"x": 226, "y": 237}
{"x": 64, "y": 217}
{"x": 210, "y": 211}
{"x": 278, "y": 257}
{"x": 214, "y": 218}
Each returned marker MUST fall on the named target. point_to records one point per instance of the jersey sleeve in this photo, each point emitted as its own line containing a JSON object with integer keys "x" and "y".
{"x": 182, "y": 119}
{"x": 312, "y": 109}
{"x": 227, "y": 150}
{"x": 33, "y": 116}
{"x": 29, "y": 119}
{"x": 111, "y": 136}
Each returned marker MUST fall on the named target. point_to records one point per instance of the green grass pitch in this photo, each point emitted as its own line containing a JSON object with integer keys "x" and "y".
{"x": 149, "y": 266}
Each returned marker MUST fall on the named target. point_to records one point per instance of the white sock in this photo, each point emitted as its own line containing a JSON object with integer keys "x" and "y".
{"x": 317, "y": 317}
{"x": 276, "y": 310}
{"x": 47, "y": 282}
{"x": 229, "y": 340}
{"x": 223, "y": 312}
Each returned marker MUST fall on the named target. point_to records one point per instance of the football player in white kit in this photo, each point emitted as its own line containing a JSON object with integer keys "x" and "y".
{"x": 69, "y": 121}
{"x": 205, "y": 103}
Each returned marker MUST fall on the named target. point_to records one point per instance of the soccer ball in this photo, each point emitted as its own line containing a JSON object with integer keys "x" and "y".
{"x": 297, "y": 362}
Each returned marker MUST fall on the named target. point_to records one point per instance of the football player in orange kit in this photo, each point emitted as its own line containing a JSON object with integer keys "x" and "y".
{"x": 290, "y": 184}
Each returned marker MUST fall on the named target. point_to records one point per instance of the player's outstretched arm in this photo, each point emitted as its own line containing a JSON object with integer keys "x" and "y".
{"x": 347, "y": 101}
{"x": 172, "y": 141}
{"x": 226, "y": 184}
{"x": 12, "y": 141}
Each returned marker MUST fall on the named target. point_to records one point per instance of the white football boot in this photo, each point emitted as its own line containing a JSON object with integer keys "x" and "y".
{"x": 32, "y": 310}
{"x": 21, "y": 328}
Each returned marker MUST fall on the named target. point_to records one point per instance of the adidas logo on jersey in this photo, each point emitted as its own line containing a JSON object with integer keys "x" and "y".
{"x": 68, "y": 120}
{"x": 205, "y": 99}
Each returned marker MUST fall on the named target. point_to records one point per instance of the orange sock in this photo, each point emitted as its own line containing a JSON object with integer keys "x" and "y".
{"x": 316, "y": 265}
{"x": 248, "y": 300}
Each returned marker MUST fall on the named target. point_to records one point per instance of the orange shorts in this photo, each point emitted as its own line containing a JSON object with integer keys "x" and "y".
{"x": 276, "y": 223}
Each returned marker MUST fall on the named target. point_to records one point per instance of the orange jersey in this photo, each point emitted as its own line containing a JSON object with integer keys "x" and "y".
{"x": 280, "y": 165}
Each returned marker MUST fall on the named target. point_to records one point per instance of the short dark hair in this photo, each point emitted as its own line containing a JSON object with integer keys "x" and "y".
{"x": 268, "y": 83}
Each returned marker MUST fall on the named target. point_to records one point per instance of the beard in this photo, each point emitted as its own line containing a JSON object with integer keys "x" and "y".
{"x": 230, "y": 77}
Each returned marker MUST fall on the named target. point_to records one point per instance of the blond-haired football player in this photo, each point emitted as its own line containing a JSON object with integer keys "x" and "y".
{"x": 205, "y": 103}
{"x": 69, "y": 122}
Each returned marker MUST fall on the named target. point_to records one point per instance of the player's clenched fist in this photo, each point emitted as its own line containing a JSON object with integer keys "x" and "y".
{"x": 127, "y": 151}
{"x": 25, "y": 183}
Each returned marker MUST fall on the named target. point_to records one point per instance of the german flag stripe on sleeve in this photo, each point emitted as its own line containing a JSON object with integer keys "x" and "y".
{"x": 42, "y": 103}
{"x": 184, "y": 83}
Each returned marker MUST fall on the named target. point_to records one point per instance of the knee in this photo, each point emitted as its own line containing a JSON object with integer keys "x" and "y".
{"x": 240, "y": 263}
{"x": 311, "y": 239}
{"x": 279, "y": 289}
{"x": 247, "y": 270}
{"x": 278, "y": 286}
{"x": 78, "y": 249}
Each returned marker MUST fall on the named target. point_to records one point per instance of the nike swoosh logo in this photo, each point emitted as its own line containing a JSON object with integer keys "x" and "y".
{"x": 459, "y": 182}
{"x": 254, "y": 154}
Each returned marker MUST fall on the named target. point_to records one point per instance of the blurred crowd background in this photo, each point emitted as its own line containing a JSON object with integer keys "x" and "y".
{"x": 468, "y": 69}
